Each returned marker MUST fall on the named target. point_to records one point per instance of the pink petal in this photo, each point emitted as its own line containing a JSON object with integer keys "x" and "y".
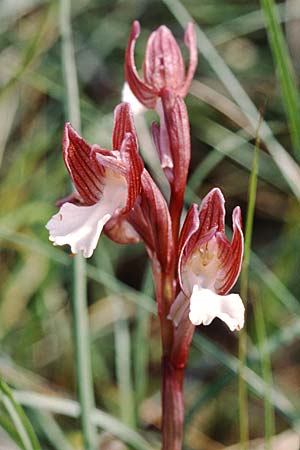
{"x": 123, "y": 124}
{"x": 144, "y": 93}
{"x": 163, "y": 66}
{"x": 212, "y": 212}
{"x": 86, "y": 175}
{"x": 230, "y": 255}
{"x": 134, "y": 167}
{"x": 190, "y": 226}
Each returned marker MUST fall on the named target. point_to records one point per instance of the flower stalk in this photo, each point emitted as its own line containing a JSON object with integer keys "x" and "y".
{"x": 194, "y": 266}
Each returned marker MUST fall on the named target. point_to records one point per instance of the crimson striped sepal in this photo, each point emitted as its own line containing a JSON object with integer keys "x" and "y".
{"x": 86, "y": 174}
{"x": 87, "y": 164}
{"x": 172, "y": 139}
{"x": 206, "y": 257}
{"x": 151, "y": 219}
{"x": 163, "y": 66}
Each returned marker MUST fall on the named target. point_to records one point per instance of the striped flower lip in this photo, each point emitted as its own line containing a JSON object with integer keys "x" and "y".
{"x": 163, "y": 64}
{"x": 209, "y": 264}
{"x": 107, "y": 184}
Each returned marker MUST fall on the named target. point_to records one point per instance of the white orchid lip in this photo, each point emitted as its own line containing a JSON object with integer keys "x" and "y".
{"x": 81, "y": 226}
{"x": 206, "y": 305}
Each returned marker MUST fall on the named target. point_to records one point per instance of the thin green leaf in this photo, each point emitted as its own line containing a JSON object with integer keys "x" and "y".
{"x": 122, "y": 349}
{"x": 283, "y": 64}
{"x": 22, "y": 425}
{"x": 208, "y": 393}
{"x": 254, "y": 381}
{"x": 266, "y": 372}
{"x": 71, "y": 408}
{"x": 243, "y": 395}
{"x": 84, "y": 377}
{"x": 52, "y": 431}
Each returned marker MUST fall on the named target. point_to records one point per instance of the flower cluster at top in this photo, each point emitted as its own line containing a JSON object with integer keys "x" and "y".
{"x": 116, "y": 194}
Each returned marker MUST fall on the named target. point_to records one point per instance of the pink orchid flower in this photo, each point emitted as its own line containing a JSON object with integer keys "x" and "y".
{"x": 209, "y": 265}
{"x": 107, "y": 185}
{"x": 163, "y": 64}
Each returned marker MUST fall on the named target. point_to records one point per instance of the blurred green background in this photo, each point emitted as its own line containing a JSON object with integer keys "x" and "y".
{"x": 36, "y": 352}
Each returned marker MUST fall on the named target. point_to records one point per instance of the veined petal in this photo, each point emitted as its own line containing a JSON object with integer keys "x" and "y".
{"x": 123, "y": 124}
{"x": 212, "y": 212}
{"x": 87, "y": 176}
{"x": 81, "y": 226}
{"x": 126, "y": 162}
{"x": 144, "y": 93}
{"x": 190, "y": 226}
{"x": 230, "y": 255}
{"x": 134, "y": 167}
{"x": 163, "y": 66}
{"x": 205, "y": 306}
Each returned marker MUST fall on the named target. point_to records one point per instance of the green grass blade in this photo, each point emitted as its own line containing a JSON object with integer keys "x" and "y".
{"x": 141, "y": 343}
{"x": 10, "y": 430}
{"x": 254, "y": 381}
{"x": 266, "y": 372}
{"x": 122, "y": 349}
{"x": 31, "y": 52}
{"x": 80, "y": 308}
{"x": 243, "y": 395}
{"x": 21, "y": 423}
{"x": 207, "y": 394}
{"x": 246, "y": 24}
{"x": 71, "y": 408}
{"x": 52, "y": 431}
{"x": 283, "y": 64}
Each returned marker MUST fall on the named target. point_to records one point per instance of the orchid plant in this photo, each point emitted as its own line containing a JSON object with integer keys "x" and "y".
{"x": 194, "y": 265}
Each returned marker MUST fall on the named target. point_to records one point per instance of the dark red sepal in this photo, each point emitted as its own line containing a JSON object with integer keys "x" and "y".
{"x": 87, "y": 176}
{"x": 150, "y": 218}
{"x": 230, "y": 254}
{"x": 144, "y": 93}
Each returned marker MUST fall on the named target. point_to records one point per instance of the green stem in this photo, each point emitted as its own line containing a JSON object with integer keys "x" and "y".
{"x": 80, "y": 309}
{"x": 266, "y": 373}
{"x": 242, "y": 391}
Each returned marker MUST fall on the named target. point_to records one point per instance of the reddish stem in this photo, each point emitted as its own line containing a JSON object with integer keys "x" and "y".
{"x": 176, "y": 204}
{"x": 172, "y": 406}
